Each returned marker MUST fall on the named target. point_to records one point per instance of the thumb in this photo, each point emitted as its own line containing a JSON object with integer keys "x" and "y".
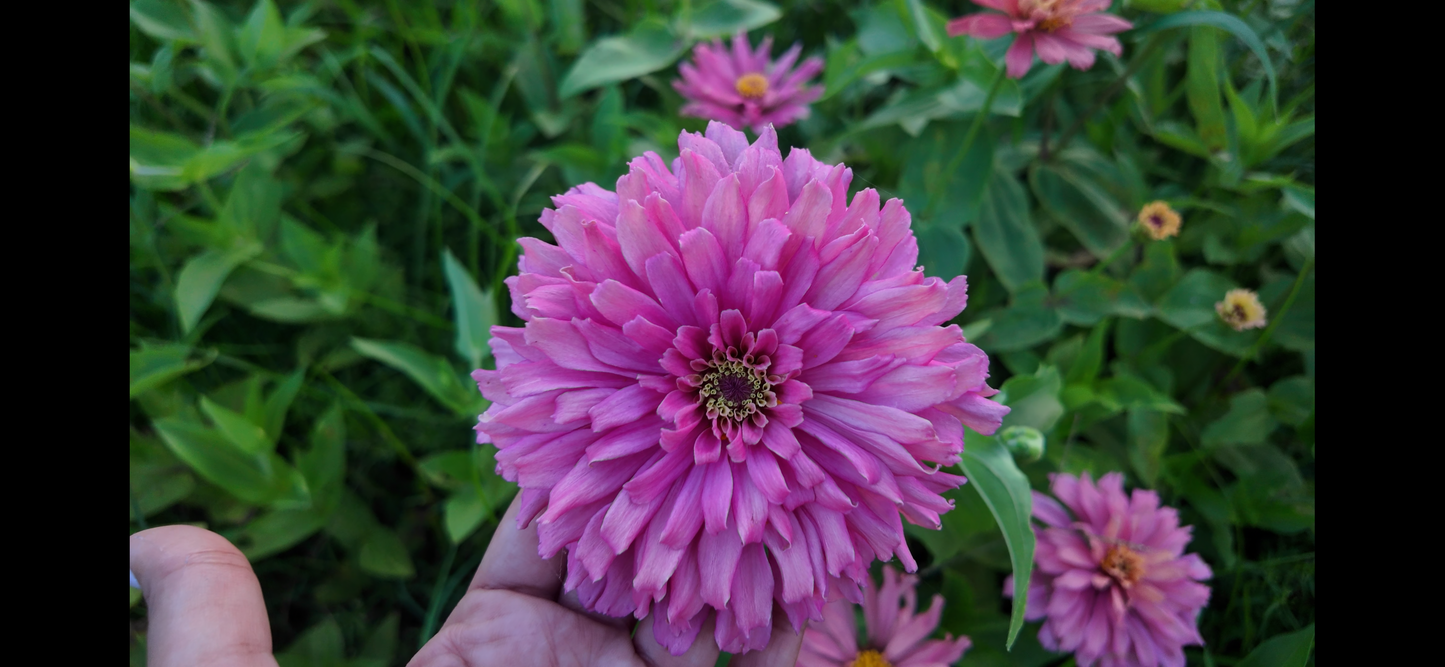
{"x": 204, "y": 604}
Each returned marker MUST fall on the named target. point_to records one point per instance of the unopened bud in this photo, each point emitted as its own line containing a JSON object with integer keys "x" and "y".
{"x": 1025, "y": 442}
{"x": 1241, "y": 310}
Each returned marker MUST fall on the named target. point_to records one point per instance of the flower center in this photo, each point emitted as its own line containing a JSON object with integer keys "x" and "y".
{"x": 752, "y": 86}
{"x": 1156, "y": 221}
{"x": 1123, "y": 564}
{"x": 732, "y": 390}
{"x": 1055, "y": 23}
{"x": 870, "y": 658}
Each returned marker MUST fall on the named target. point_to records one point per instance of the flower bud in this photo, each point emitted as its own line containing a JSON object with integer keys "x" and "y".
{"x": 1241, "y": 309}
{"x": 1024, "y": 442}
{"x": 1159, "y": 221}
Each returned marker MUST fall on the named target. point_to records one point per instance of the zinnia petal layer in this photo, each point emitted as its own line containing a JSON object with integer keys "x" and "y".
{"x": 732, "y": 387}
{"x": 894, "y": 633}
{"x": 1058, "y": 30}
{"x": 743, "y": 87}
{"x": 1113, "y": 584}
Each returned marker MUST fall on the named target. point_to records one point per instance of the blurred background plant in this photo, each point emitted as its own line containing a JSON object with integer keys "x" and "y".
{"x": 325, "y": 197}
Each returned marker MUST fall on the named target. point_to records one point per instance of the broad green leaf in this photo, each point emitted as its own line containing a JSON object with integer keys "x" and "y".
{"x": 201, "y": 278}
{"x": 937, "y": 197}
{"x": 1287, "y": 650}
{"x": 842, "y": 71}
{"x": 992, "y": 471}
{"x": 922, "y": 26}
{"x": 725, "y": 17}
{"x": 965, "y": 96}
{"x": 217, "y": 37}
{"x": 449, "y": 470}
{"x": 435, "y": 374}
{"x": 943, "y": 251}
{"x": 244, "y": 434}
{"x": 1202, "y": 86}
{"x": 1083, "y": 298}
{"x": 571, "y": 27}
{"x": 156, "y": 364}
{"x": 1248, "y": 421}
{"x": 1033, "y": 399}
{"x": 1124, "y": 391}
{"x": 255, "y": 479}
{"x": 1225, "y": 21}
{"x": 278, "y": 531}
{"x": 384, "y": 555}
{"x": 1085, "y": 366}
{"x": 1148, "y": 432}
{"x": 253, "y": 205}
{"x": 1082, "y": 206}
{"x": 1026, "y": 322}
{"x": 381, "y": 641}
{"x": 158, "y": 159}
{"x": 1292, "y": 399}
{"x": 1006, "y": 234}
{"x": 262, "y": 39}
{"x": 274, "y": 411}
{"x": 474, "y": 311}
{"x": 290, "y": 310}
{"x": 323, "y": 464}
{"x": 162, "y": 20}
{"x": 322, "y": 645}
{"x": 463, "y": 512}
{"x": 649, "y": 47}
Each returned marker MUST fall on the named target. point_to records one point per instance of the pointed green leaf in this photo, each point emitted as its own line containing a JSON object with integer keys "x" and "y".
{"x": 1287, "y": 650}
{"x": 435, "y": 374}
{"x": 1006, "y": 235}
{"x": 992, "y": 471}
{"x": 726, "y": 17}
{"x": 649, "y": 47}
{"x": 473, "y": 310}
{"x": 154, "y": 365}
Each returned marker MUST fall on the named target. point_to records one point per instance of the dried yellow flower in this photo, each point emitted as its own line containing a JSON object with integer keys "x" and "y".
{"x": 1241, "y": 309}
{"x": 1159, "y": 221}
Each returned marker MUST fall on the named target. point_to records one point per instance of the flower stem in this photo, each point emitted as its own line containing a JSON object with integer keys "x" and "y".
{"x": 967, "y": 141}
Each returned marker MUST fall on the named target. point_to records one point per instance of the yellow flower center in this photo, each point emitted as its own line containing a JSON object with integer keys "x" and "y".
{"x": 1123, "y": 564}
{"x": 870, "y": 658}
{"x": 1055, "y": 23}
{"x": 752, "y": 86}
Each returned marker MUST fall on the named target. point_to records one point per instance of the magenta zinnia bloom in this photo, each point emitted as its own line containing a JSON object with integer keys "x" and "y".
{"x": 1059, "y": 29}
{"x": 1113, "y": 583}
{"x": 727, "y": 388}
{"x": 745, "y": 88}
{"x": 896, "y": 638}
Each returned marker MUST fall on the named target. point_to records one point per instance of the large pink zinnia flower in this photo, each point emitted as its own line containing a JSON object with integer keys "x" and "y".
{"x": 1114, "y": 584}
{"x": 727, "y": 387}
{"x": 1059, "y": 29}
{"x": 896, "y": 638}
{"x": 745, "y": 88}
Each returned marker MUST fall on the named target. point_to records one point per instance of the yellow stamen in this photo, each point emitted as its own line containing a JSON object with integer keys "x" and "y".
{"x": 870, "y": 658}
{"x": 1055, "y": 23}
{"x": 1241, "y": 310}
{"x": 752, "y": 86}
{"x": 1123, "y": 564}
{"x": 1159, "y": 221}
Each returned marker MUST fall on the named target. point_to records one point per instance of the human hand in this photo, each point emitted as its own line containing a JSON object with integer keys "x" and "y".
{"x": 205, "y": 608}
{"x": 515, "y": 614}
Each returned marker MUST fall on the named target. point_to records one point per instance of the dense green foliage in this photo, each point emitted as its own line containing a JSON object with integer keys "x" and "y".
{"x": 325, "y": 196}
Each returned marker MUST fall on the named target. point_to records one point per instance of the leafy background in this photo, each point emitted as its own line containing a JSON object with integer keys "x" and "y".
{"x": 324, "y": 197}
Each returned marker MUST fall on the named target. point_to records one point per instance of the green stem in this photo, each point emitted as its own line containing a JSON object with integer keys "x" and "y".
{"x": 1273, "y": 323}
{"x": 973, "y": 130}
{"x": 434, "y": 608}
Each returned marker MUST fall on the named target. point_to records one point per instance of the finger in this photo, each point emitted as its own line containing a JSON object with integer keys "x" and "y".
{"x": 203, "y": 602}
{"x": 512, "y": 563}
{"x": 702, "y": 653}
{"x": 571, "y": 601}
{"x": 782, "y": 649}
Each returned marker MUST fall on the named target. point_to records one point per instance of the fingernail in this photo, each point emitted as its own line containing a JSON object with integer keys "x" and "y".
{"x": 133, "y": 582}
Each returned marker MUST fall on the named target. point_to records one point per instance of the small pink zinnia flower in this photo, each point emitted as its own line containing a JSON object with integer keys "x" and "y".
{"x": 1059, "y": 29}
{"x": 895, "y": 636}
{"x": 1113, "y": 583}
{"x": 744, "y": 88}
{"x": 727, "y": 388}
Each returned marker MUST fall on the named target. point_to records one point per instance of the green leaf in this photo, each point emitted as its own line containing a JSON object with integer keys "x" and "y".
{"x": 922, "y": 25}
{"x": 1148, "y": 432}
{"x": 1292, "y": 399}
{"x": 156, "y": 364}
{"x": 1033, "y": 399}
{"x": 1287, "y": 650}
{"x": 992, "y": 471}
{"x": 255, "y": 479}
{"x": 725, "y": 17}
{"x": 1084, "y": 298}
{"x": 202, "y": 276}
{"x": 474, "y": 311}
{"x": 649, "y": 47}
{"x": 943, "y": 251}
{"x": 1189, "y": 306}
{"x": 278, "y": 531}
{"x": 1028, "y": 321}
{"x": 384, "y": 555}
{"x": 1006, "y": 234}
{"x": 1225, "y": 21}
{"x": 253, "y": 205}
{"x": 1082, "y": 206}
{"x": 1202, "y": 86}
{"x": 263, "y": 37}
{"x": 249, "y": 437}
{"x": 162, "y": 20}
{"x": 323, "y": 464}
{"x": 320, "y": 646}
{"x": 435, "y": 374}
{"x": 1085, "y": 367}
{"x": 274, "y": 410}
{"x": 216, "y": 36}
{"x": 1248, "y": 421}
{"x": 463, "y": 512}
